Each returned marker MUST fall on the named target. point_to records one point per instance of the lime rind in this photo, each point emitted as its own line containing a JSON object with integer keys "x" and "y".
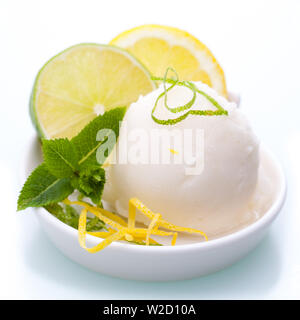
{"x": 32, "y": 103}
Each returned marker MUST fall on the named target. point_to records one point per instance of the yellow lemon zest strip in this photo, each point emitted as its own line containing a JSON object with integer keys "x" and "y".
{"x": 161, "y": 222}
{"x": 170, "y": 226}
{"x": 174, "y": 151}
{"x": 98, "y": 212}
{"x": 129, "y": 237}
{"x": 141, "y": 207}
{"x": 152, "y": 224}
{"x": 174, "y": 239}
{"x": 82, "y": 228}
{"x": 82, "y": 235}
{"x": 131, "y": 215}
{"x": 114, "y": 237}
{"x": 129, "y": 232}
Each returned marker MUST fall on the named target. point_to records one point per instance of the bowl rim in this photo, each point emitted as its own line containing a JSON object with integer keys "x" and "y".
{"x": 245, "y": 232}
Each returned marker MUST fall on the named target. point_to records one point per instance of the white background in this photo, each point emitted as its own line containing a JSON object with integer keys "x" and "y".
{"x": 257, "y": 44}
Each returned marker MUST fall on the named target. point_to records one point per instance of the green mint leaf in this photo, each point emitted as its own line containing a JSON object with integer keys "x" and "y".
{"x": 42, "y": 188}
{"x": 68, "y": 215}
{"x": 61, "y": 157}
{"x": 90, "y": 183}
{"x": 86, "y": 141}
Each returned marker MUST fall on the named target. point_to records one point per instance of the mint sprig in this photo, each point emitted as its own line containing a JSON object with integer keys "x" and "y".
{"x": 43, "y": 188}
{"x": 71, "y": 165}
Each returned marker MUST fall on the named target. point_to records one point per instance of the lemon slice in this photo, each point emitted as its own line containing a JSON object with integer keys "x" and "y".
{"x": 82, "y": 82}
{"x": 159, "y": 47}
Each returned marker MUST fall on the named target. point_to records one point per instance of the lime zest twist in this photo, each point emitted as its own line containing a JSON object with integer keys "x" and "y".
{"x": 175, "y": 82}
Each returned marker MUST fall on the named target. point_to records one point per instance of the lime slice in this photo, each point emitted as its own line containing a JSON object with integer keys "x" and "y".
{"x": 82, "y": 82}
{"x": 159, "y": 47}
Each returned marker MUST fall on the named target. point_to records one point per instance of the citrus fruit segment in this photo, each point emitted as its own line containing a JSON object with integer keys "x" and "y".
{"x": 159, "y": 47}
{"x": 82, "y": 82}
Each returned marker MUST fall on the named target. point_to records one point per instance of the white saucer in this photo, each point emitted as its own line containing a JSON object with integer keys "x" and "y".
{"x": 159, "y": 263}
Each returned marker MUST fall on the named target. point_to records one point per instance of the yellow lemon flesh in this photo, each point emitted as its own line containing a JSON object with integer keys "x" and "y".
{"x": 159, "y": 47}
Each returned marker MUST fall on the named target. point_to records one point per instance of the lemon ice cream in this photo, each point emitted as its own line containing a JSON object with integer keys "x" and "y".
{"x": 209, "y": 190}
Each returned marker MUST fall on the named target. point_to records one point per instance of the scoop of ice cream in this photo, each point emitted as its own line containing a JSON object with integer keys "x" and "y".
{"x": 205, "y": 179}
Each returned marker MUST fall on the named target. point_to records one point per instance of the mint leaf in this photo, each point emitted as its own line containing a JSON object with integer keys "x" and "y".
{"x": 90, "y": 183}
{"x": 61, "y": 157}
{"x": 95, "y": 224}
{"x": 68, "y": 215}
{"x": 42, "y": 188}
{"x": 86, "y": 141}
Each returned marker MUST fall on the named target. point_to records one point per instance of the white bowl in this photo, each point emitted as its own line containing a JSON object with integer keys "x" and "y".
{"x": 159, "y": 263}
